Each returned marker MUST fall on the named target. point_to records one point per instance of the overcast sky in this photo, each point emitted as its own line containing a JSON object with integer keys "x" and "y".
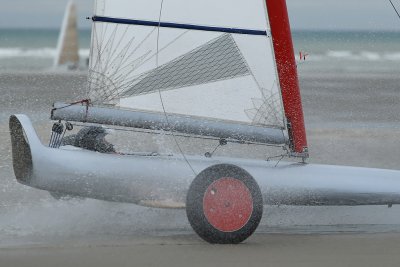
{"x": 304, "y": 14}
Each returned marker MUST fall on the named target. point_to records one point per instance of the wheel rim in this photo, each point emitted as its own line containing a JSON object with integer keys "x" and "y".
{"x": 228, "y": 204}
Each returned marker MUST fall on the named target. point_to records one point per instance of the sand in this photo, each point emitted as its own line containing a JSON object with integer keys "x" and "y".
{"x": 352, "y": 119}
{"x": 260, "y": 250}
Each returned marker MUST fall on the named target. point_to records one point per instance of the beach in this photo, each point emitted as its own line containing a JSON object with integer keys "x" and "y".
{"x": 352, "y": 118}
{"x": 262, "y": 250}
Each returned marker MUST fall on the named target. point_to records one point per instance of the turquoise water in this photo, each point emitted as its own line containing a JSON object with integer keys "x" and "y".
{"x": 33, "y": 49}
{"x": 36, "y": 39}
{"x": 349, "y": 51}
{"x": 321, "y": 41}
{"x": 27, "y": 50}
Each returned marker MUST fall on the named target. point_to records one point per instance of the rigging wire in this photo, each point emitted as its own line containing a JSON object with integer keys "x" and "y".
{"x": 395, "y": 9}
{"x": 161, "y": 98}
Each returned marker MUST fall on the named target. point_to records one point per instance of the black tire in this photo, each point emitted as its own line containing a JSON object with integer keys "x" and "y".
{"x": 199, "y": 194}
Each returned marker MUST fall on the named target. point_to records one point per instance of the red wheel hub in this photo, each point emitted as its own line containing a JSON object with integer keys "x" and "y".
{"x": 228, "y": 204}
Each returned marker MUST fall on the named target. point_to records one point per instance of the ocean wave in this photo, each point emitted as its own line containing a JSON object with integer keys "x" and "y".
{"x": 345, "y": 55}
{"x": 45, "y": 52}
{"x": 371, "y": 56}
{"x": 392, "y": 56}
{"x": 336, "y": 55}
{"x": 339, "y": 54}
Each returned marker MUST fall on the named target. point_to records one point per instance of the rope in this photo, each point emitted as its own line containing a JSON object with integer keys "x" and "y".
{"x": 85, "y": 102}
{"x": 395, "y": 9}
{"x": 161, "y": 99}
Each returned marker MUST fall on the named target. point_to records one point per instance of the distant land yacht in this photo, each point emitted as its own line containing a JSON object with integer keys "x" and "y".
{"x": 68, "y": 46}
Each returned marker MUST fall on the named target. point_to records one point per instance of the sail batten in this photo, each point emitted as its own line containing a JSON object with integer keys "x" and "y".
{"x": 178, "y": 25}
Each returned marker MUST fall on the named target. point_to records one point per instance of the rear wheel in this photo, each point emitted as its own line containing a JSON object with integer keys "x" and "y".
{"x": 224, "y": 204}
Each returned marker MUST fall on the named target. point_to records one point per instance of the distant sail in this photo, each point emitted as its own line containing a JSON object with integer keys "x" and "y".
{"x": 67, "y": 48}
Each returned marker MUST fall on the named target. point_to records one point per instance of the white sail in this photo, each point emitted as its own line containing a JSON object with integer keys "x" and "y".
{"x": 67, "y": 47}
{"x": 210, "y": 59}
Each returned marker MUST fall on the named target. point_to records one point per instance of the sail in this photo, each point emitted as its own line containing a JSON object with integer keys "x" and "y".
{"x": 67, "y": 48}
{"x": 207, "y": 59}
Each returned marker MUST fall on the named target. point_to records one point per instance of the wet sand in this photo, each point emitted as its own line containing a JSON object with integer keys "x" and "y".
{"x": 352, "y": 119}
{"x": 261, "y": 250}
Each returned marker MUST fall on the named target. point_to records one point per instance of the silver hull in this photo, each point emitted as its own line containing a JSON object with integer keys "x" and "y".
{"x": 163, "y": 181}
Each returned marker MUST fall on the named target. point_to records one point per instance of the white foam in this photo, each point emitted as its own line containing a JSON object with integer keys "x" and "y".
{"x": 45, "y": 52}
{"x": 84, "y": 52}
{"x": 392, "y": 56}
{"x": 50, "y": 53}
{"x": 339, "y": 54}
{"x": 371, "y": 56}
{"x": 356, "y": 56}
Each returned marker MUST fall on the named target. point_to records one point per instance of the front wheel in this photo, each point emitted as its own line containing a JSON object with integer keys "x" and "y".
{"x": 224, "y": 204}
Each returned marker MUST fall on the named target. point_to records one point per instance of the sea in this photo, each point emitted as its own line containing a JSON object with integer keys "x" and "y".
{"x": 332, "y": 51}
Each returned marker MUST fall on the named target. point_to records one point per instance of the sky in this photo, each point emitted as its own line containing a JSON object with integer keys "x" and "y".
{"x": 304, "y": 14}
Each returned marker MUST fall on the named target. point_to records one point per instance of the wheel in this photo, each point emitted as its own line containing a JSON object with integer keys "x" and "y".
{"x": 224, "y": 204}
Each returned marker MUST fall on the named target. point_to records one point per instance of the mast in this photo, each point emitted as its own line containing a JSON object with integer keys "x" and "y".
{"x": 287, "y": 72}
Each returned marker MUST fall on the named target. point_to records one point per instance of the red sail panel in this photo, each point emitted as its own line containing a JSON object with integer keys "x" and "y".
{"x": 287, "y": 71}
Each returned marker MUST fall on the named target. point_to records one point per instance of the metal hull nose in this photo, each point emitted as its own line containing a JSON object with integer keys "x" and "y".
{"x": 163, "y": 181}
